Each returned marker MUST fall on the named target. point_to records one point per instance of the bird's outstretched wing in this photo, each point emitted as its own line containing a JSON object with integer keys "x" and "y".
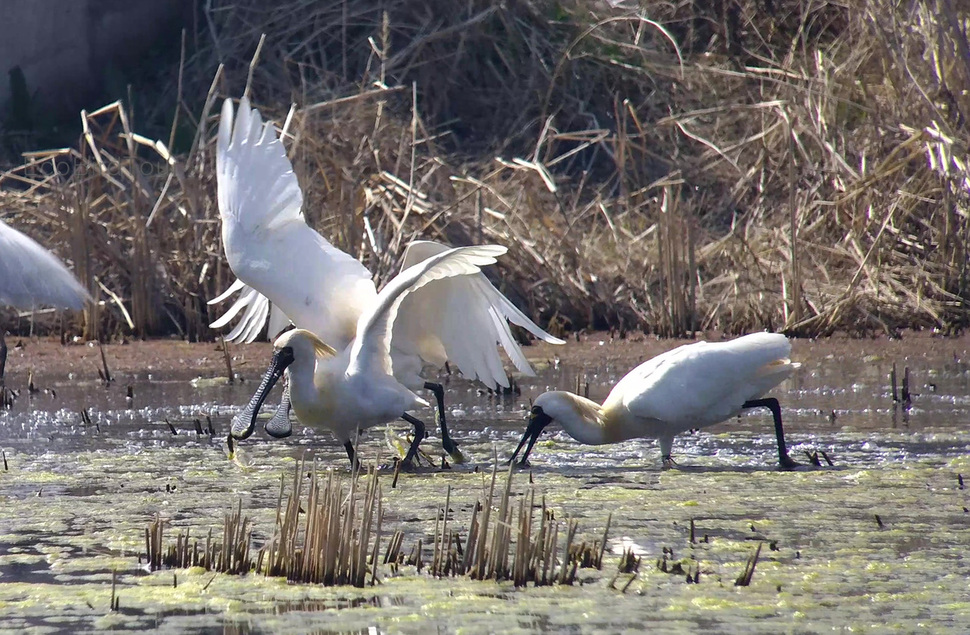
{"x": 371, "y": 349}
{"x": 460, "y": 320}
{"x": 31, "y": 276}
{"x": 268, "y": 244}
{"x": 256, "y": 308}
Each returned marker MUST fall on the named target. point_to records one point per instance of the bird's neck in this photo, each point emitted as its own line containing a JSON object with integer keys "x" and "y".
{"x": 582, "y": 419}
{"x": 590, "y": 423}
{"x": 309, "y": 381}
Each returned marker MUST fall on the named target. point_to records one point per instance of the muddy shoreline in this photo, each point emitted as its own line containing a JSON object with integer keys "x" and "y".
{"x": 82, "y": 360}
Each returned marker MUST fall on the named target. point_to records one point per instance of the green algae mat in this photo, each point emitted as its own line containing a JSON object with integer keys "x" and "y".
{"x": 873, "y": 543}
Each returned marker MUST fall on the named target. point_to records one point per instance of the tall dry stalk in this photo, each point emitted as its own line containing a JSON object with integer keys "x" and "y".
{"x": 670, "y": 167}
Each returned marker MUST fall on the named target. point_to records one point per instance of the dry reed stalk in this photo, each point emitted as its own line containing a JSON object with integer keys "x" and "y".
{"x": 230, "y": 555}
{"x": 675, "y": 173}
{"x": 337, "y": 531}
{"x": 499, "y": 531}
{"x": 745, "y": 578}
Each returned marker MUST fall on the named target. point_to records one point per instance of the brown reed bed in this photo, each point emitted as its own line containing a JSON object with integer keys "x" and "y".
{"x": 505, "y": 541}
{"x": 231, "y": 554}
{"x": 669, "y": 167}
{"x": 324, "y": 538}
{"x": 340, "y": 531}
{"x": 328, "y": 530}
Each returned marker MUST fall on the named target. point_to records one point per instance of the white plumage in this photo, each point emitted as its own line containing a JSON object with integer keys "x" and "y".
{"x": 31, "y": 276}
{"x": 280, "y": 261}
{"x": 353, "y": 389}
{"x": 691, "y": 386}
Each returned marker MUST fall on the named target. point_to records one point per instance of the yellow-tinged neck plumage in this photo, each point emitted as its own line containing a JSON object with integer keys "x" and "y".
{"x": 581, "y": 418}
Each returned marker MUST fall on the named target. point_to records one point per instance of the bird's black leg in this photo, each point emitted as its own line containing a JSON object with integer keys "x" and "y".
{"x": 352, "y": 455}
{"x": 446, "y": 442}
{"x": 3, "y": 358}
{"x": 418, "y": 438}
{"x": 772, "y": 404}
{"x": 666, "y": 448}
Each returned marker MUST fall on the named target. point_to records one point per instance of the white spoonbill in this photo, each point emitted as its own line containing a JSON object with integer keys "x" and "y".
{"x": 691, "y": 386}
{"x": 278, "y": 258}
{"x": 354, "y": 389}
{"x": 31, "y": 276}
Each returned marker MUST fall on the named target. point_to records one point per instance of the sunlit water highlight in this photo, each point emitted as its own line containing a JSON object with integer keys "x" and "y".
{"x": 77, "y": 497}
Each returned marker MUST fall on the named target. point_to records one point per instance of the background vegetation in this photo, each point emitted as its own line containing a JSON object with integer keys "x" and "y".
{"x": 671, "y": 167}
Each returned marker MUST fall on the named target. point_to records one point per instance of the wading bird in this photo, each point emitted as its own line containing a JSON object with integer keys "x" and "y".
{"x": 279, "y": 259}
{"x": 353, "y": 389}
{"x": 691, "y": 386}
{"x": 31, "y": 276}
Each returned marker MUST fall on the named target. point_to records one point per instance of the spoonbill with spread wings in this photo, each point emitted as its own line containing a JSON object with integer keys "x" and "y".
{"x": 279, "y": 259}
{"x": 354, "y": 389}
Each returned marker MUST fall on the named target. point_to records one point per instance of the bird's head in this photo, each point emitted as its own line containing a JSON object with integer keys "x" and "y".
{"x": 580, "y": 418}
{"x": 291, "y": 346}
{"x": 538, "y": 420}
{"x": 299, "y": 344}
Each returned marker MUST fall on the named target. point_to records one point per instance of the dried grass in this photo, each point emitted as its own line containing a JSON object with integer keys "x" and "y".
{"x": 331, "y": 543}
{"x": 799, "y": 165}
{"x": 504, "y": 542}
{"x": 228, "y": 555}
{"x": 328, "y": 531}
{"x": 324, "y": 537}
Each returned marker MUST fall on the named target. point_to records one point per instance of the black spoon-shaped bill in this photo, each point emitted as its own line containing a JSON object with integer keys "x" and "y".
{"x": 538, "y": 420}
{"x": 279, "y": 425}
{"x": 244, "y": 423}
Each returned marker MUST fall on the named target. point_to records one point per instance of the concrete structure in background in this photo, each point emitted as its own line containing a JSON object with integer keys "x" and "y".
{"x": 65, "y": 47}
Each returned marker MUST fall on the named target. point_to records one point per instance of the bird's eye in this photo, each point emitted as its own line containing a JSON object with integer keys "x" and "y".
{"x": 536, "y": 410}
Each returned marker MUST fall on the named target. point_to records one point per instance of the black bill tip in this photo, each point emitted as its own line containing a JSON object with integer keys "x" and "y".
{"x": 538, "y": 420}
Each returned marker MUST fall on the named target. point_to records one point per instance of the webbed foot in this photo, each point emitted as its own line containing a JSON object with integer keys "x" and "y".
{"x": 451, "y": 448}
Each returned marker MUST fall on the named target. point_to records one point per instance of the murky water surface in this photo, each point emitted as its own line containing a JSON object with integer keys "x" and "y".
{"x": 876, "y": 542}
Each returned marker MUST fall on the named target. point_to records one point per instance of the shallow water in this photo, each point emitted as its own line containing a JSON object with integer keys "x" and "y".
{"x": 76, "y": 499}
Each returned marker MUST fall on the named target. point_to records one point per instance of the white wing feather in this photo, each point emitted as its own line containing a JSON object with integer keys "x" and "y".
{"x": 222, "y": 297}
{"x": 31, "y": 276}
{"x": 320, "y": 288}
{"x": 258, "y": 310}
{"x": 461, "y": 319}
{"x": 269, "y": 246}
{"x": 371, "y": 348}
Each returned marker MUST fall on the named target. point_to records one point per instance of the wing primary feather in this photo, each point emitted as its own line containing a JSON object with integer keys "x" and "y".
{"x": 235, "y": 286}
{"x": 519, "y": 318}
{"x": 244, "y": 299}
